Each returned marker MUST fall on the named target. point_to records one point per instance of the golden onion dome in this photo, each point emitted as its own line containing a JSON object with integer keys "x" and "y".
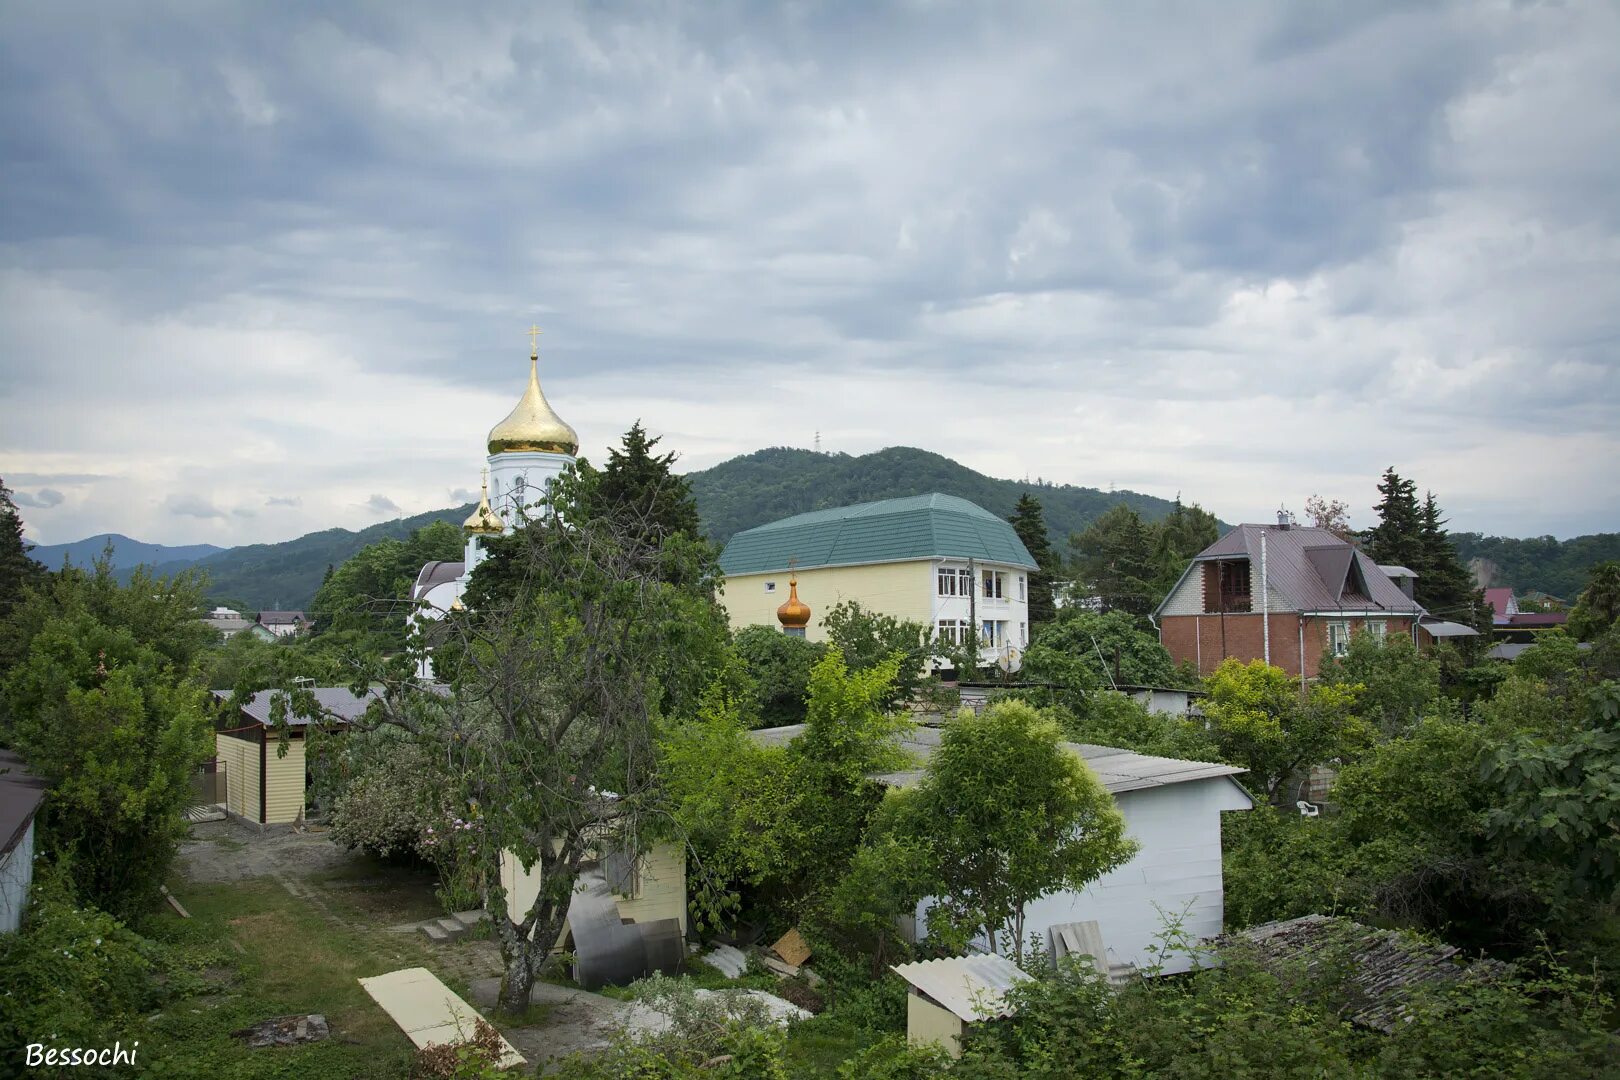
{"x": 794, "y": 614}
{"x": 482, "y": 521}
{"x": 532, "y": 425}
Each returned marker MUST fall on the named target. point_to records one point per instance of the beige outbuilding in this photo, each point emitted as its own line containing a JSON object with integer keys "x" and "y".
{"x": 266, "y": 776}
{"x": 945, "y": 996}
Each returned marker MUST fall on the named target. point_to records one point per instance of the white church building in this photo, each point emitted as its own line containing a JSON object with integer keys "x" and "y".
{"x": 527, "y": 451}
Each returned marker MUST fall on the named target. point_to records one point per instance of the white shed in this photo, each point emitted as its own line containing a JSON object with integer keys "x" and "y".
{"x": 1173, "y": 810}
{"x": 944, "y": 996}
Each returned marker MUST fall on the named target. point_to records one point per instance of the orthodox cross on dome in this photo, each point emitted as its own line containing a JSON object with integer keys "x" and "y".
{"x": 534, "y": 340}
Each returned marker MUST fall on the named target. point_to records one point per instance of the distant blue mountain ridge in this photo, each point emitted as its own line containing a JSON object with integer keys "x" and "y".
{"x": 126, "y": 553}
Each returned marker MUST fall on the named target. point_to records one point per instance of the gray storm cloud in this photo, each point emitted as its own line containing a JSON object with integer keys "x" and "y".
{"x": 1248, "y": 252}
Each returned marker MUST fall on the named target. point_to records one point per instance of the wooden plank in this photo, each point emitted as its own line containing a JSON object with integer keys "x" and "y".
{"x": 429, "y": 1012}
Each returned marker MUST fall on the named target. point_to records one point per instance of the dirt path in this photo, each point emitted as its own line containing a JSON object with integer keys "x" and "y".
{"x": 226, "y": 851}
{"x": 575, "y": 1020}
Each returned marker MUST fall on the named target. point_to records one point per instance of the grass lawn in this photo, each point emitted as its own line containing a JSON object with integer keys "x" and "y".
{"x": 816, "y": 1047}
{"x": 255, "y": 952}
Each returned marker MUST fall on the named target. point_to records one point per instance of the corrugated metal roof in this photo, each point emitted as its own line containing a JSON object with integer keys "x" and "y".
{"x": 1314, "y": 569}
{"x": 893, "y": 530}
{"x": 972, "y": 987}
{"x": 337, "y": 700}
{"x": 1119, "y": 770}
{"x": 1442, "y": 629}
{"x": 281, "y": 618}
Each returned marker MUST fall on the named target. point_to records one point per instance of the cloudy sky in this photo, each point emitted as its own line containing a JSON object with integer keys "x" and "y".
{"x": 265, "y": 268}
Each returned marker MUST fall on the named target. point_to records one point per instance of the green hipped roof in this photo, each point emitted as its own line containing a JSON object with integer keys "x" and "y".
{"x": 893, "y": 530}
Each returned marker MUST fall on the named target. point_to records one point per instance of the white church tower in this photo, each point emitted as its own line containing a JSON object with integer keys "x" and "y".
{"x": 527, "y": 451}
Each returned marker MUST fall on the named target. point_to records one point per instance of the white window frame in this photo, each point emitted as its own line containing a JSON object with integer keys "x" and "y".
{"x": 1023, "y": 635}
{"x": 987, "y": 633}
{"x": 964, "y": 582}
{"x": 1023, "y": 590}
{"x": 945, "y": 581}
{"x": 1338, "y": 637}
{"x": 994, "y": 585}
{"x": 770, "y": 586}
{"x": 1379, "y": 629}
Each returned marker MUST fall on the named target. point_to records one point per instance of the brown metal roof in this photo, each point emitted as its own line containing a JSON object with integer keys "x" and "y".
{"x": 1314, "y": 569}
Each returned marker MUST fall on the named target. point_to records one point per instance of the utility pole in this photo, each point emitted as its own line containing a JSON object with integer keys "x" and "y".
{"x": 973, "y": 613}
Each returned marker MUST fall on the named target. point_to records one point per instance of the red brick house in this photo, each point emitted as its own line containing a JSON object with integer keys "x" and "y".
{"x": 1305, "y": 585}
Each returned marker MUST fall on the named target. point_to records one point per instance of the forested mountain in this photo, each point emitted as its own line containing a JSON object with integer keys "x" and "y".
{"x": 126, "y": 555}
{"x": 732, "y": 496}
{"x": 1559, "y": 567}
{"x": 286, "y": 575}
{"x": 779, "y": 482}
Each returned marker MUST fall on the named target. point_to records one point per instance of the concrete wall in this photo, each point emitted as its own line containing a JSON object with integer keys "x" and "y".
{"x": 930, "y": 1023}
{"x": 284, "y": 780}
{"x": 16, "y": 876}
{"x": 1206, "y": 640}
{"x": 904, "y": 590}
{"x": 1177, "y": 870}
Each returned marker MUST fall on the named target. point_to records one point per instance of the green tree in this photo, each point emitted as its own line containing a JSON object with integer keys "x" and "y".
{"x": 1009, "y": 814}
{"x": 1598, "y": 607}
{"x": 1397, "y": 539}
{"x": 1560, "y": 800}
{"x": 779, "y": 666}
{"x": 1115, "y": 557}
{"x": 1107, "y": 718}
{"x": 850, "y": 733}
{"x": 867, "y": 639}
{"x": 785, "y": 819}
{"x": 1030, "y": 524}
{"x": 1083, "y": 650}
{"x": 1444, "y": 585}
{"x": 370, "y": 592}
{"x": 638, "y": 489}
{"x": 1185, "y": 532}
{"x": 1395, "y": 685}
{"x": 17, "y": 570}
{"x": 103, "y": 708}
{"x": 1258, "y": 720}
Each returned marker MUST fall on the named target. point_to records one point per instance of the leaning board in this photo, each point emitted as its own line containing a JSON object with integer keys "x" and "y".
{"x": 429, "y": 1012}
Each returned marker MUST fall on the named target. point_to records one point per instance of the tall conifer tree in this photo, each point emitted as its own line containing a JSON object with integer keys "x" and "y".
{"x": 638, "y": 487}
{"x": 1029, "y": 523}
{"x": 17, "y": 570}
{"x": 1397, "y": 539}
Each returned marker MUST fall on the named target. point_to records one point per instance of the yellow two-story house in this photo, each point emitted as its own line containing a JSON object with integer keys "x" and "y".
{"x": 934, "y": 559}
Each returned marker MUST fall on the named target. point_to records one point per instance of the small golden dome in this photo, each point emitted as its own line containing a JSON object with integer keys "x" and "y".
{"x": 794, "y": 614}
{"x": 457, "y": 605}
{"x": 482, "y": 521}
{"x": 532, "y": 425}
